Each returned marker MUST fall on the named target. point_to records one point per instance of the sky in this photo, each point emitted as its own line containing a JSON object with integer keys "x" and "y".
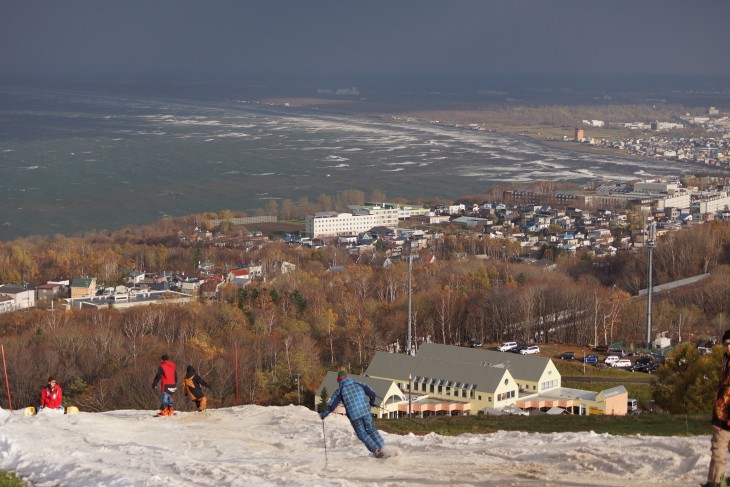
{"x": 258, "y": 446}
{"x": 356, "y": 41}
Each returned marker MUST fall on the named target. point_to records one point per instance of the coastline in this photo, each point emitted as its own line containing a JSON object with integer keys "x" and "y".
{"x": 491, "y": 120}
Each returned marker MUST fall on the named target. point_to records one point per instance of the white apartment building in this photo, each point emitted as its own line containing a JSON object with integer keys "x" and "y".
{"x": 333, "y": 224}
{"x": 712, "y": 202}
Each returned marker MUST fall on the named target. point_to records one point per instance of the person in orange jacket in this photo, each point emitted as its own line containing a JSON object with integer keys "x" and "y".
{"x": 193, "y": 387}
{"x": 167, "y": 378}
{"x": 52, "y": 395}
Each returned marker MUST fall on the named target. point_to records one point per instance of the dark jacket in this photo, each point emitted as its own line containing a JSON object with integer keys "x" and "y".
{"x": 193, "y": 384}
{"x": 166, "y": 376}
{"x": 721, "y": 408}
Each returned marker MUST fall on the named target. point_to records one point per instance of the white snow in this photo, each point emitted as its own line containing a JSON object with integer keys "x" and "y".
{"x": 284, "y": 446}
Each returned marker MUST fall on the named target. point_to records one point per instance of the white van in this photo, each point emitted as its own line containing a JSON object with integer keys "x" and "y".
{"x": 633, "y": 405}
{"x": 611, "y": 359}
{"x": 623, "y": 363}
{"x": 506, "y": 346}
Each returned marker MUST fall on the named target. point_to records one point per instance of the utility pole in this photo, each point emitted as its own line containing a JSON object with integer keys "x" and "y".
{"x": 409, "y": 349}
{"x": 650, "y": 244}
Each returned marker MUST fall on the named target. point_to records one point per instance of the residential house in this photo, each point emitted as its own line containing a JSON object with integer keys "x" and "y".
{"x": 210, "y": 286}
{"x": 190, "y": 285}
{"x": 135, "y": 277}
{"x": 23, "y": 297}
{"x": 240, "y": 277}
{"x": 83, "y": 287}
{"x": 6, "y": 304}
{"x": 49, "y": 291}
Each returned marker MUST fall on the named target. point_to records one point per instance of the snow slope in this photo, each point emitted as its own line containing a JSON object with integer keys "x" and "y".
{"x": 283, "y": 446}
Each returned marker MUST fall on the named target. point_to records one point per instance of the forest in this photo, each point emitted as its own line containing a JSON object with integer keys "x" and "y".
{"x": 272, "y": 341}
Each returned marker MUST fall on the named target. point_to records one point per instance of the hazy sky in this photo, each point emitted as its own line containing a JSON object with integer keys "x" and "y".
{"x": 348, "y": 40}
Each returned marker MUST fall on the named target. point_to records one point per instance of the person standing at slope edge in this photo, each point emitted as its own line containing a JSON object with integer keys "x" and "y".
{"x": 720, "y": 422}
{"x": 193, "y": 388}
{"x": 353, "y": 394}
{"x": 167, "y": 378}
{"x": 52, "y": 395}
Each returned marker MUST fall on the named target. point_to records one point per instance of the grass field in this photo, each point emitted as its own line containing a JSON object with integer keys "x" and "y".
{"x": 644, "y": 424}
{"x": 8, "y": 479}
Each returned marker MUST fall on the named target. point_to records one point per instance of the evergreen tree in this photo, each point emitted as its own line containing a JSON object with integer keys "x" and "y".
{"x": 324, "y": 400}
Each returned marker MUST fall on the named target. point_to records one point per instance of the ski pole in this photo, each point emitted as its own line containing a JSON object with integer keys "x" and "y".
{"x": 324, "y": 438}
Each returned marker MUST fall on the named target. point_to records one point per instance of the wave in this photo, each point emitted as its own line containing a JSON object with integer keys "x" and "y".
{"x": 232, "y": 134}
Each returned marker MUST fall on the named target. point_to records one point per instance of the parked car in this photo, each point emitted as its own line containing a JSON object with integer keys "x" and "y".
{"x": 567, "y": 356}
{"x": 519, "y": 348}
{"x": 611, "y": 359}
{"x": 623, "y": 363}
{"x": 643, "y": 360}
{"x": 507, "y": 346}
{"x": 652, "y": 367}
{"x": 530, "y": 350}
{"x": 590, "y": 359}
{"x": 475, "y": 343}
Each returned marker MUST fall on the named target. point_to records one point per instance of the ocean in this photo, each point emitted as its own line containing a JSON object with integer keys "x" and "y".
{"x": 73, "y": 162}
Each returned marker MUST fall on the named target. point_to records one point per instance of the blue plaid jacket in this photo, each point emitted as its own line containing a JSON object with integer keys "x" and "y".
{"x": 353, "y": 394}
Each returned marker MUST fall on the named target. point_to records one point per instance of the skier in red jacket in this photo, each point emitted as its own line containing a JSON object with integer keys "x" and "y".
{"x": 167, "y": 378}
{"x": 52, "y": 395}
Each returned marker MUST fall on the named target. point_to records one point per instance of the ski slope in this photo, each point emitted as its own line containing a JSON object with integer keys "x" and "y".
{"x": 283, "y": 446}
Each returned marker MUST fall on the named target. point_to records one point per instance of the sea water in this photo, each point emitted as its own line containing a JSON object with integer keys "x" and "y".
{"x": 75, "y": 161}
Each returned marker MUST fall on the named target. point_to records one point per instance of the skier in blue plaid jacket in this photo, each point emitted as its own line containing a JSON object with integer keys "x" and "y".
{"x": 354, "y": 394}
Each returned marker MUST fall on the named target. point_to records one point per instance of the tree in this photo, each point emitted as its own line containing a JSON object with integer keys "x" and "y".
{"x": 687, "y": 383}
{"x": 323, "y": 400}
{"x": 272, "y": 208}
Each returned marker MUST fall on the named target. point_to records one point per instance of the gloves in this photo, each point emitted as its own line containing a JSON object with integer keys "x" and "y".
{"x": 372, "y": 403}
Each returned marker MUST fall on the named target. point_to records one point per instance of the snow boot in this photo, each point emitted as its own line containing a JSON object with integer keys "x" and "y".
{"x": 170, "y": 410}
{"x": 378, "y": 453}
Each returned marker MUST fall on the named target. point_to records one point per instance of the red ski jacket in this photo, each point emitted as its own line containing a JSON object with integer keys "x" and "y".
{"x": 166, "y": 376}
{"x": 52, "y": 398}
